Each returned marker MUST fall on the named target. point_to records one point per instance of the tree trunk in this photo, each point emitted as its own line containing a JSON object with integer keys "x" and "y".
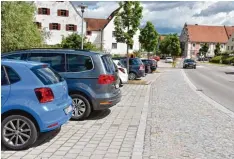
{"x": 127, "y": 58}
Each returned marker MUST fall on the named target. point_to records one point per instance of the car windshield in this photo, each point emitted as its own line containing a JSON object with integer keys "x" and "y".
{"x": 189, "y": 60}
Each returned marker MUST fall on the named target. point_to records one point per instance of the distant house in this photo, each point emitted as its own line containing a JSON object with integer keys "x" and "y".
{"x": 193, "y": 36}
{"x": 230, "y": 44}
{"x": 101, "y": 32}
{"x": 58, "y": 18}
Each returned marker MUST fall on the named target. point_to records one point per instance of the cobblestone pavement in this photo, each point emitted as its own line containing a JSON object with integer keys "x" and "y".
{"x": 164, "y": 120}
{"x": 106, "y": 134}
{"x": 181, "y": 124}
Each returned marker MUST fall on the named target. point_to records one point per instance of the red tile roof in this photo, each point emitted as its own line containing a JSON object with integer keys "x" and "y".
{"x": 95, "y": 24}
{"x": 203, "y": 33}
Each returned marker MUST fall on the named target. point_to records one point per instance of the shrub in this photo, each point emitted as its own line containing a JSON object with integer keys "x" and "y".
{"x": 228, "y": 60}
{"x": 216, "y": 59}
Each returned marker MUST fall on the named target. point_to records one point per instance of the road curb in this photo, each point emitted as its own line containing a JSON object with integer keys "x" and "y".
{"x": 208, "y": 99}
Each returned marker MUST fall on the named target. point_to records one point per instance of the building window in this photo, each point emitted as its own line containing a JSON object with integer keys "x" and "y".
{"x": 228, "y": 48}
{"x": 44, "y": 11}
{"x": 38, "y": 24}
{"x": 55, "y": 26}
{"x": 63, "y": 13}
{"x": 114, "y": 45}
{"x": 89, "y": 32}
{"x": 78, "y": 63}
{"x": 231, "y": 47}
{"x": 193, "y": 45}
{"x": 222, "y": 46}
{"x": 71, "y": 27}
{"x": 113, "y": 33}
{"x": 232, "y": 39}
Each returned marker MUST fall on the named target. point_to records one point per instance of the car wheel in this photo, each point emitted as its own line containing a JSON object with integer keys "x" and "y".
{"x": 194, "y": 67}
{"x": 82, "y": 108}
{"x": 132, "y": 76}
{"x": 18, "y": 132}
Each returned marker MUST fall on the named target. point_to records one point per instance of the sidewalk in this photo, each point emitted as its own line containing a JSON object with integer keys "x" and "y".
{"x": 181, "y": 124}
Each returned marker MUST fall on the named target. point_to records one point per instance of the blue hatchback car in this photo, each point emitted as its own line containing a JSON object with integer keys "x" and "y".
{"x": 34, "y": 99}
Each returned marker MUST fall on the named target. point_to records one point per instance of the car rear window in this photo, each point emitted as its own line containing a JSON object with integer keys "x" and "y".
{"x": 189, "y": 60}
{"x": 109, "y": 64}
{"x": 135, "y": 61}
{"x": 47, "y": 75}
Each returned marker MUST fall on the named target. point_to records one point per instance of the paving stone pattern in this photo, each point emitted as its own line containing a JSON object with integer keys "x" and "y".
{"x": 106, "y": 134}
{"x": 182, "y": 125}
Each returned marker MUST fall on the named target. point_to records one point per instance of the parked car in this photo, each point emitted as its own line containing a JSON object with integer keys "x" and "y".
{"x": 123, "y": 73}
{"x": 136, "y": 67}
{"x": 92, "y": 78}
{"x": 168, "y": 60}
{"x": 157, "y": 58}
{"x": 189, "y": 63}
{"x": 150, "y": 64}
{"x": 34, "y": 99}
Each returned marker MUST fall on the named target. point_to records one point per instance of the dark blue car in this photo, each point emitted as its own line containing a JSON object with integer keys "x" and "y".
{"x": 92, "y": 78}
{"x": 34, "y": 99}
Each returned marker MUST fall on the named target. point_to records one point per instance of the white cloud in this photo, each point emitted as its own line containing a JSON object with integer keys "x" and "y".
{"x": 171, "y": 16}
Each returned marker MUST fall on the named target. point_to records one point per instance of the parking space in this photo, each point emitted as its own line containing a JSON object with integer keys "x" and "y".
{"x": 105, "y": 134}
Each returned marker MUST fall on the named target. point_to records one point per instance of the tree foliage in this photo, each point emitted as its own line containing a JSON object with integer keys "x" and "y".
{"x": 18, "y": 29}
{"x": 73, "y": 41}
{"x": 204, "y": 49}
{"x": 126, "y": 22}
{"x": 170, "y": 45}
{"x": 217, "y": 50}
{"x": 149, "y": 37}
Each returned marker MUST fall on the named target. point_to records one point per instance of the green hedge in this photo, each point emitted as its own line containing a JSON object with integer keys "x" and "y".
{"x": 222, "y": 59}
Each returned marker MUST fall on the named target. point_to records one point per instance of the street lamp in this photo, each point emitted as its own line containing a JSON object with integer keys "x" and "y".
{"x": 82, "y": 6}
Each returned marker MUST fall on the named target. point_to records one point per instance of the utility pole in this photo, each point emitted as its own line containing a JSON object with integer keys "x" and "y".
{"x": 82, "y": 6}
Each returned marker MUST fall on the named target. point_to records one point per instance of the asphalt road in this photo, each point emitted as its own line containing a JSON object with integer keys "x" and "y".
{"x": 217, "y": 82}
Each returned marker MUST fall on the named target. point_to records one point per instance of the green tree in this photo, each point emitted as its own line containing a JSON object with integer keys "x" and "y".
{"x": 217, "y": 50}
{"x": 149, "y": 38}
{"x": 204, "y": 49}
{"x": 18, "y": 29}
{"x": 73, "y": 41}
{"x": 127, "y": 22}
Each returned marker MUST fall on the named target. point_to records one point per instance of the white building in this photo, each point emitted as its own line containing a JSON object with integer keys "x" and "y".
{"x": 101, "y": 33}
{"x": 230, "y": 44}
{"x": 194, "y": 36}
{"x": 58, "y": 19}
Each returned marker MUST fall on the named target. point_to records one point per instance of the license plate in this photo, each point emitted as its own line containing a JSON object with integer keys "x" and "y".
{"x": 68, "y": 109}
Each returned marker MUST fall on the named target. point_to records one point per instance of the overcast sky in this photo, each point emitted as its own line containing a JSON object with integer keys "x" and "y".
{"x": 169, "y": 17}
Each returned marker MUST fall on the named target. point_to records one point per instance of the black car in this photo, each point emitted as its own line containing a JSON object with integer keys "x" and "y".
{"x": 136, "y": 67}
{"x": 189, "y": 63}
{"x": 150, "y": 65}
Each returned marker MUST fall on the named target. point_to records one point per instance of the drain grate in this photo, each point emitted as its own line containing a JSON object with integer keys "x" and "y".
{"x": 200, "y": 90}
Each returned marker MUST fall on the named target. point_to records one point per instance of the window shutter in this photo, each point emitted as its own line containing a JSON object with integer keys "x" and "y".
{"x": 39, "y": 10}
{"x": 50, "y": 26}
{"x": 67, "y": 27}
{"x": 59, "y": 26}
{"x": 75, "y": 27}
{"x": 48, "y": 11}
{"x": 59, "y": 12}
{"x": 67, "y": 13}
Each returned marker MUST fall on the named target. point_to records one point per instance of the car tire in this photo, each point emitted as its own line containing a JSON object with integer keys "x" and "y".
{"x": 132, "y": 76}
{"x": 194, "y": 67}
{"x": 29, "y": 137}
{"x": 84, "y": 103}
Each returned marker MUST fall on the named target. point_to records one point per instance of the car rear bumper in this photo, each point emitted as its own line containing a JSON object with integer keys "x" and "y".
{"x": 141, "y": 73}
{"x": 55, "y": 117}
{"x": 105, "y": 103}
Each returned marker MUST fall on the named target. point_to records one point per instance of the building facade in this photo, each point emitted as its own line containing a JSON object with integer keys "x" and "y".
{"x": 230, "y": 44}
{"x": 101, "y": 32}
{"x": 57, "y": 19}
{"x": 194, "y": 36}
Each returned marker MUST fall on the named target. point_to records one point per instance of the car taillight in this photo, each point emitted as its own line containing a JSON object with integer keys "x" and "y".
{"x": 142, "y": 67}
{"x": 106, "y": 79}
{"x": 122, "y": 70}
{"x": 44, "y": 95}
